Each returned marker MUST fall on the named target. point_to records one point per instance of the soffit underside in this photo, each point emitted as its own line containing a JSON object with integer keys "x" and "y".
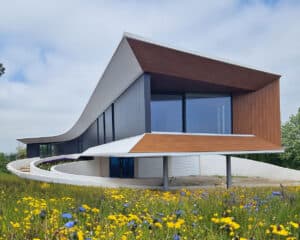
{"x": 166, "y": 61}
{"x": 164, "y": 84}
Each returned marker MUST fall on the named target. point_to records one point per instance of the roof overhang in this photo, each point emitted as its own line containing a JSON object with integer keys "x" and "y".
{"x": 135, "y": 56}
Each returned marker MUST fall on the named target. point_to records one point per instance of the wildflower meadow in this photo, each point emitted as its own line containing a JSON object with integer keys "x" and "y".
{"x": 34, "y": 210}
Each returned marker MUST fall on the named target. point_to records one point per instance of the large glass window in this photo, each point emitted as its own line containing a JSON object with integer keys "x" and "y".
{"x": 208, "y": 113}
{"x": 166, "y": 113}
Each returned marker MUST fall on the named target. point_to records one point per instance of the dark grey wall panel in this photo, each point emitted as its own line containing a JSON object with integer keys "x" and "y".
{"x": 101, "y": 129}
{"x": 109, "y": 134}
{"x": 33, "y": 150}
{"x": 90, "y": 137}
{"x": 129, "y": 111}
{"x": 68, "y": 147}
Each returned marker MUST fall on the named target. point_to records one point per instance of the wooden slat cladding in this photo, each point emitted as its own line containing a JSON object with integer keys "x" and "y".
{"x": 200, "y": 143}
{"x": 163, "y": 60}
{"x": 258, "y": 113}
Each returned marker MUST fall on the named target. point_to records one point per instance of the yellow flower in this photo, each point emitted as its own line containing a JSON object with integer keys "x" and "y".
{"x": 295, "y": 225}
{"x": 15, "y": 225}
{"x": 80, "y": 235}
{"x": 95, "y": 210}
{"x": 170, "y": 225}
{"x": 158, "y": 224}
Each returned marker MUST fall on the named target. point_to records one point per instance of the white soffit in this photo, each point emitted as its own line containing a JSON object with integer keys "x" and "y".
{"x": 115, "y": 148}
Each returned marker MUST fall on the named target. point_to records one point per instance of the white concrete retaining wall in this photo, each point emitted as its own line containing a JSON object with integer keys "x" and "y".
{"x": 216, "y": 165}
{"x": 149, "y": 167}
{"x": 88, "y": 168}
{"x": 184, "y": 166}
{"x": 178, "y": 166}
{"x": 208, "y": 165}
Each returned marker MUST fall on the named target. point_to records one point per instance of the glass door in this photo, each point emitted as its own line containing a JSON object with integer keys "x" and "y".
{"x": 121, "y": 167}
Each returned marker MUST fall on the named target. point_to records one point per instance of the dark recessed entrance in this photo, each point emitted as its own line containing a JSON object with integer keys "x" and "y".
{"x": 121, "y": 167}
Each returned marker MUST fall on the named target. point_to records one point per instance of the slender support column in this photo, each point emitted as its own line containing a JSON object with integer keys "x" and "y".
{"x": 228, "y": 171}
{"x": 165, "y": 173}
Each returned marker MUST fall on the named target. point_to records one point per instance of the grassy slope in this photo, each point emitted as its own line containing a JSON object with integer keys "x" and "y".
{"x": 143, "y": 214}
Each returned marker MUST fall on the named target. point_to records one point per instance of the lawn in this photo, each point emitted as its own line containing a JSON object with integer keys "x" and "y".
{"x": 35, "y": 210}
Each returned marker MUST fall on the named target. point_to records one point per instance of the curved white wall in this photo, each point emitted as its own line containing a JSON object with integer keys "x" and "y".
{"x": 178, "y": 166}
{"x": 87, "y": 168}
{"x": 72, "y": 173}
{"x": 216, "y": 165}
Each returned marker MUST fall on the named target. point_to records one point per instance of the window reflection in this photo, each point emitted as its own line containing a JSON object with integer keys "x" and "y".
{"x": 166, "y": 113}
{"x": 208, "y": 113}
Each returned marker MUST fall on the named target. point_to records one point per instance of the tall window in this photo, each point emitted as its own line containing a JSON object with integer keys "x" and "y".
{"x": 208, "y": 113}
{"x": 166, "y": 113}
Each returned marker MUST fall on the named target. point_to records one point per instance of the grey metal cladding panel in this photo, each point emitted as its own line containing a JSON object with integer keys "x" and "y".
{"x": 129, "y": 111}
{"x": 68, "y": 147}
{"x": 90, "y": 137}
{"x": 120, "y": 73}
{"x": 33, "y": 150}
{"x": 108, "y": 125}
{"x": 101, "y": 129}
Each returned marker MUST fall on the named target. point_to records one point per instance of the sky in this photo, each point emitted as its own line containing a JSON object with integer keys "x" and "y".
{"x": 55, "y": 51}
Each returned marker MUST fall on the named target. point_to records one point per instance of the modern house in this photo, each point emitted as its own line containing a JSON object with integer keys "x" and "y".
{"x": 156, "y": 107}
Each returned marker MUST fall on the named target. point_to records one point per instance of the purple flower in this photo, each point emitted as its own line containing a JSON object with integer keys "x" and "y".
{"x": 42, "y": 214}
{"x": 66, "y": 215}
{"x": 179, "y": 213}
{"x": 70, "y": 224}
{"x": 126, "y": 205}
{"x": 81, "y": 209}
{"x": 183, "y": 193}
{"x": 276, "y": 193}
{"x": 176, "y": 237}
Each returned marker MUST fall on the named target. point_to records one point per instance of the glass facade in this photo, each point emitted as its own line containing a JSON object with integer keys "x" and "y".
{"x": 208, "y": 113}
{"x": 166, "y": 113}
{"x": 191, "y": 113}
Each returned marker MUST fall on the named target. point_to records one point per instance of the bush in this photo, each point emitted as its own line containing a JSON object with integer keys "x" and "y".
{"x": 4, "y": 160}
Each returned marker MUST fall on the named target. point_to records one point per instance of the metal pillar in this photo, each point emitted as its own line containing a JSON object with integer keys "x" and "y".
{"x": 165, "y": 173}
{"x": 228, "y": 171}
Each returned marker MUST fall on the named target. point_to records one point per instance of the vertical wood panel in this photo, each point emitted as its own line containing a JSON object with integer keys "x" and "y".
{"x": 258, "y": 113}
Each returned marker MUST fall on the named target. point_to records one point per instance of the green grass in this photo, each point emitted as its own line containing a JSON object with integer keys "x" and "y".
{"x": 33, "y": 210}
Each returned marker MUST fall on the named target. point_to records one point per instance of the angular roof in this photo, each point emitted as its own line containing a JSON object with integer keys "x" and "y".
{"x": 164, "y": 60}
{"x": 134, "y": 56}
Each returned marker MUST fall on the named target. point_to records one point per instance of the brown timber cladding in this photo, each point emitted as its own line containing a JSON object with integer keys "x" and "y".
{"x": 258, "y": 113}
{"x": 201, "y": 143}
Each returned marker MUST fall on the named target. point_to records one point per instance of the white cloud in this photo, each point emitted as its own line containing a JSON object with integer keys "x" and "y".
{"x": 62, "y": 47}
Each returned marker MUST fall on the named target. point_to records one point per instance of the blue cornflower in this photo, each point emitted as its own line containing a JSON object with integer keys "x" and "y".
{"x": 43, "y": 214}
{"x": 126, "y": 205}
{"x": 276, "y": 193}
{"x": 81, "y": 209}
{"x": 70, "y": 224}
{"x": 176, "y": 237}
{"x": 179, "y": 213}
{"x": 66, "y": 215}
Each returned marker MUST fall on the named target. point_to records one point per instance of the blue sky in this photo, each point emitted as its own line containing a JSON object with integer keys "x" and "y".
{"x": 55, "y": 51}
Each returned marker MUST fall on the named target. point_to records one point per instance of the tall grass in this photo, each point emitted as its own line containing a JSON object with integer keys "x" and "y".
{"x": 35, "y": 210}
